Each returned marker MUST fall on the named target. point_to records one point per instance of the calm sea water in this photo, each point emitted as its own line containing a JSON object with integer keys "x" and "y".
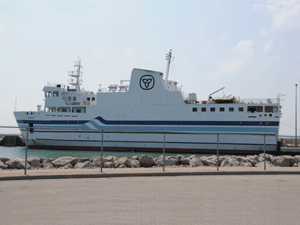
{"x": 19, "y": 152}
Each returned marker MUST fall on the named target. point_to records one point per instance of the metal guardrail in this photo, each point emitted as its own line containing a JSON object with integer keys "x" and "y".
{"x": 27, "y": 129}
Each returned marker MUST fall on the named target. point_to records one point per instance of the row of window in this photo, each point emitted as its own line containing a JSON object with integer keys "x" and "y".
{"x": 50, "y": 94}
{"x": 221, "y": 109}
{"x": 250, "y": 109}
{"x": 67, "y": 109}
{"x": 88, "y": 99}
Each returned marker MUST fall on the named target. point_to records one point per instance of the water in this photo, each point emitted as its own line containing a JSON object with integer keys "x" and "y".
{"x": 19, "y": 152}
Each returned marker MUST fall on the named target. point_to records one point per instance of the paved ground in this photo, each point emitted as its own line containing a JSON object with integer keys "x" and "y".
{"x": 129, "y": 172}
{"x": 218, "y": 199}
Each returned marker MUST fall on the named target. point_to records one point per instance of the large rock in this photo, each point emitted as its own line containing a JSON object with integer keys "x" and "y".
{"x": 208, "y": 161}
{"x": 68, "y": 166}
{"x": 146, "y": 161}
{"x": 117, "y": 163}
{"x": 96, "y": 161}
{"x": 249, "y": 159}
{"x": 13, "y": 163}
{"x": 60, "y": 162}
{"x": 4, "y": 159}
{"x": 135, "y": 164}
{"x": 195, "y": 162}
{"x": 46, "y": 160}
{"x": 230, "y": 161}
{"x": 184, "y": 161}
{"x": 84, "y": 165}
{"x": 297, "y": 157}
{"x": 109, "y": 159}
{"x": 125, "y": 160}
{"x": 2, "y": 165}
{"x": 47, "y": 165}
{"x": 281, "y": 161}
{"x": 136, "y": 157}
{"x": 83, "y": 159}
{"x": 34, "y": 161}
{"x": 179, "y": 157}
{"x": 17, "y": 163}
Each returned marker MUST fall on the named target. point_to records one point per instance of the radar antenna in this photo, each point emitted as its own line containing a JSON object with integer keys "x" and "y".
{"x": 76, "y": 74}
{"x": 169, "y": 59}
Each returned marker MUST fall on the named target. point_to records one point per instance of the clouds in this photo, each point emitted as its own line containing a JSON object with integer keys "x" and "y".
{"x": 285, "y": 13}
{"x": 235, "y": 59}
{"x": 244, "y": 48}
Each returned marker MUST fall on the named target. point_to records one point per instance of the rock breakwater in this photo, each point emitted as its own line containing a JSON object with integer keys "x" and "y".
{"x": 148, "y": 161}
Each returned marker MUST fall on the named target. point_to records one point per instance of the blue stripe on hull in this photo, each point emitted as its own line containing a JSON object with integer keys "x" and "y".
{"x": 155, "y": 122}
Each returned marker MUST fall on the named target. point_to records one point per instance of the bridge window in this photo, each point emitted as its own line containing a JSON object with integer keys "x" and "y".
{"x": 203, "y": 109}
{"x": 93, "y": 98}
{"x": 78, "y": 110}
{"x": 55, "y": 93}
{"x": 194, "y": 109}
{"x": 212, "y": 109}
{"x": 241, "y": 109}
{"x": 253, "y": 109}
{"x": 63, "y": 109}
{"x": 231, "y": 109}
{"x": 52, "y": 109}
{"x": 48, "y": 94}
{"x": 271, "y": 109}
{"x": 74, "y": 98}
{"x": 222, "y": 109}
{"x": 88, "y": 98}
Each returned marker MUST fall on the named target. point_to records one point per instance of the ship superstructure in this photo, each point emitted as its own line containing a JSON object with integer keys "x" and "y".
{"x": 149, "y": 101}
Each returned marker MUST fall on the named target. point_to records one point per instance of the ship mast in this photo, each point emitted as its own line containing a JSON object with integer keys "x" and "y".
{"x": 76, "y": 74}
{"x": 168, "y": 58}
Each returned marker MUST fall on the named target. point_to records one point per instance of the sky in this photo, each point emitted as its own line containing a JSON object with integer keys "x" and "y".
{"x": 249, "y": 47}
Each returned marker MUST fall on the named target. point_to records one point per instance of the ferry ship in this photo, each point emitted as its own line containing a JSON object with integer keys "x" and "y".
{"x": 135, "y": 114}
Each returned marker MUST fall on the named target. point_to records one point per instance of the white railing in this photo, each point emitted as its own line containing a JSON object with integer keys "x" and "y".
{"x": 259, "y": 101}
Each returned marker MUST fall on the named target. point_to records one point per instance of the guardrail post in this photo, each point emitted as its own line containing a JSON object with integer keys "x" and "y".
{"x": 164, "y": 151}
{"x": 217, "y": 152}
{"x": 264, "y": 151}
{"x": 26, "y": 151}
{"x": 101, "y": 151}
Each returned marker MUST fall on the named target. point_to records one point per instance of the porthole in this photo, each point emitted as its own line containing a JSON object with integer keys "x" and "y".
{"x": 215, "y": 122}
{"x": 270, "y": 115}
{"x": 241, "y": 123}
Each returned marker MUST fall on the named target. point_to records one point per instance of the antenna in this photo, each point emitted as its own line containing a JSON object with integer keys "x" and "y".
{"x": 168, "y": 58}
{"x": 76, "y": 74}
{"x": 16, "y": 104}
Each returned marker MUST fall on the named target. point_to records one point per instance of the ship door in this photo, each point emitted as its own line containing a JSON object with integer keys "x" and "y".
{"x": 122, "y": 119}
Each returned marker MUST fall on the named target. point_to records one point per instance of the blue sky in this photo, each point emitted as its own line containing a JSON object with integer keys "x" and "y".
{"x": 250, "y": 47}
